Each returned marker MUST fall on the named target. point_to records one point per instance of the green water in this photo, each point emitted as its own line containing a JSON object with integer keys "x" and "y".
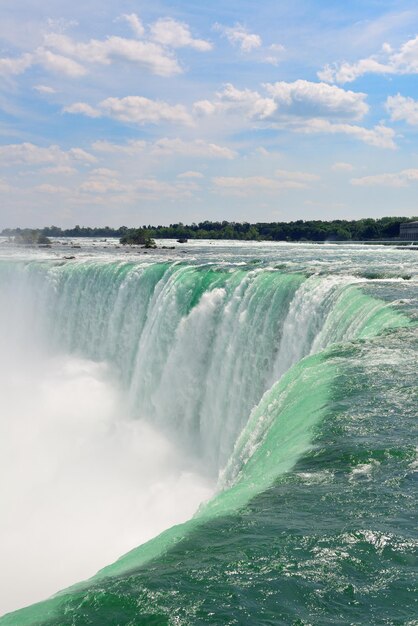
{"x": 301, "y": 392}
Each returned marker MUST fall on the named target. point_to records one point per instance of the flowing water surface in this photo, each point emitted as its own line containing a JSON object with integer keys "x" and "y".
{"x": 237, "y": 419}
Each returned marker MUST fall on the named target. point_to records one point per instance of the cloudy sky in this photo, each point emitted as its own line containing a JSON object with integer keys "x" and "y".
{"x": 131, "y": 112}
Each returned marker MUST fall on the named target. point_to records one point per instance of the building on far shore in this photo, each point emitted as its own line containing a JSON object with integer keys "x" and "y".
{"x": 409, "y": 230}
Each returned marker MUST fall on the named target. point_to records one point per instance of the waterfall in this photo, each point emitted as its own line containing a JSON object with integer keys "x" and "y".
{"x": 232, "y": 364}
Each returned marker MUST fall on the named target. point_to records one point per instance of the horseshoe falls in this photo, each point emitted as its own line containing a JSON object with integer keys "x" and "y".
{"x": 224, "y": 432}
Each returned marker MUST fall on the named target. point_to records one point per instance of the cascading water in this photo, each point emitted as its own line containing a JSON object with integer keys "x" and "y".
{"x": 233, "y": 364}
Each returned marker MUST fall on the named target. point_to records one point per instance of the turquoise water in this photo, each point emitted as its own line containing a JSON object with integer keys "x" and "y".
{"x": 288, "y": 375}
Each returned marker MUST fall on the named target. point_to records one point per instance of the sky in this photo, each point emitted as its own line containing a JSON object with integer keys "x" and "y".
{"x": 127, "y": 112}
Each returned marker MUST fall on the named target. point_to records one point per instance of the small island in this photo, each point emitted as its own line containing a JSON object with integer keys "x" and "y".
{"x": 138, "y": 237}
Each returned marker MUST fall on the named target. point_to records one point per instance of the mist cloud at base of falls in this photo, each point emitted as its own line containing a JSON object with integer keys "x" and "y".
{"x": 80, "y": 482}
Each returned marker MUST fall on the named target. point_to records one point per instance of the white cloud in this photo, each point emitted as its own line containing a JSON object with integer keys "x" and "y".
{"x": 134, "y": 22}
{"x": 277, "y": 47}
{"x": 11, "y": 67}
{"x": 239, "y": 101}
{"x": 132, "y": 147}
{"x": 399, "y": 179}
{"x": 82, "y": 108}
{"x": 48, "y": 60}
{"x": 300, "y": 98}
{"x": 30, "y": 154}
{"x": 272, "y": 60}
{"x": 301, "y": 106}
{"x": 249, "y": 102}
{"x": 59, "y": 64}
{"x": 146, "y": 188}
{"x": 104, "y": 184}
{"x": 169, "y": 32}
{"x": 190, "y": 174}
{"x": 104, "y": 171}
{"x": 50, "y": 189}
{"x": 147, "y": 54}
{"x": 238, "y": 35}
{"x": 388, "y": 61}
{"x": 274, "y": 54}
{"x": 134, "y": 109}
{"x": 197, "y": 148}
{"x": 261, "y": 151}
{"x": 78, "y": 154}
{"x": 204, "y": 107}
{"x": 379, "y": 136}
{"x": 62, "y": 54}
{"x": 402, "y": 108}
{"x": 142, "y": 110}
{"x": 348, "y": 72}
{"x": 44, "y": 89}
{"x": 308, "y": 99}
{"x": 304, "y": 177}
{"x": 341, "y": 166}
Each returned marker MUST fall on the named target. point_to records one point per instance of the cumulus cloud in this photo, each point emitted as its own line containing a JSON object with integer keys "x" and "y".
{"x": 104, "y": 185}
{"x": 62, "y": 54}
{"x": 165, "y": 146}
{"x": 398, "y": 179}
{"x": 132, "y": 147}
{"x": 379, "y": 136}
{"x": 134, "y": 22}
{"x": 78, "y": 154}
{"x": 304, "y": 177}
{"x": 104, "y": 180}
{"x": 30, "y": 154}
{"x": 59, "y": 64}
{"x": 249, "y": 102}
{"x": 204, "y": 107}
{"x": 98, "y": 185}
{"x": 134, "y": 109}
{"x": 300, "y": 98}
{"x": 14, "y": 66}
{"x": 50, "y": 189}
{"x": 104, "y": 171}
{"x": 146, "y": 54}
{"x": 403, "y": 108}
{"x": 299, "y": 106}
{"x": 190, "y": 174}
{"x": 142, "y": 110}
{"x": 239, "y": 36}
{"x": 388, "y": 61}
{"x": 274, "y": 54}
{"x": 196, "y": 148}
{"x": 310, "y": 99}
{"x": 170, "y": 32}
{"x": 82, "y": 108}
{"x": 44, "y": 89}
{"x": 47, "y": 59}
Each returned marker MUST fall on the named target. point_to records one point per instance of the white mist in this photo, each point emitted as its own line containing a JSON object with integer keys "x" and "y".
{"x": 80, "y": 482}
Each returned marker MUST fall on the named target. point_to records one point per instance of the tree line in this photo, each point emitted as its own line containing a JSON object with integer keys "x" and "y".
{"x": 299, "y": 230}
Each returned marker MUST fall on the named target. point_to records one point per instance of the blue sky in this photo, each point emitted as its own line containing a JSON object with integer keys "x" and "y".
{"x": 125, "y": 113}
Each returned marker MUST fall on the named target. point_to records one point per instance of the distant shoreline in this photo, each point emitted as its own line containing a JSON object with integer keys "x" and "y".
{"x": 383, "y": 230}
